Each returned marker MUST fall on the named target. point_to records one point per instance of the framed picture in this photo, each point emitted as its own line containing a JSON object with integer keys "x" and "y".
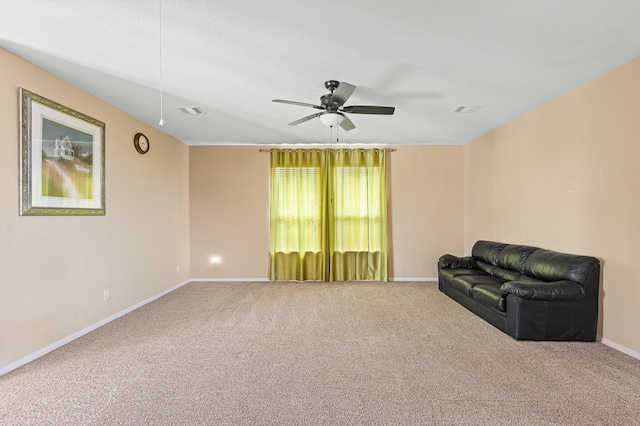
{"x": 61, "y": 159}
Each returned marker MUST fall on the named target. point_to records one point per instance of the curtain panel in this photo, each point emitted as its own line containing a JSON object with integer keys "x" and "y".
{"x": 328, "y": 215}
{"x": 357, "y": 214}
{"x": 298, "y": 215}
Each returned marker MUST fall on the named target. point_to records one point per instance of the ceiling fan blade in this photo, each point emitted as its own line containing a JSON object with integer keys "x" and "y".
{"x": 342, "y": 93}
{"x": 297, "y": 103}
{"x": 366, "y": 109}
{"x": 347, "y": 124}
{"x": 303, "y": 119}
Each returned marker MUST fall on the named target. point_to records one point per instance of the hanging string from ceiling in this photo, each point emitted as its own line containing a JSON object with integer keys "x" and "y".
{"x": 161, "y": 122}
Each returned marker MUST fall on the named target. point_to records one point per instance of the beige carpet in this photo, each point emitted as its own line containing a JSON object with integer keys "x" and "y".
{"x": 318, "y": 354}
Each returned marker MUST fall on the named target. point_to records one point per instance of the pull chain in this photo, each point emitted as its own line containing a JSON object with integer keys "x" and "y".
{"x": 161, "y": 122}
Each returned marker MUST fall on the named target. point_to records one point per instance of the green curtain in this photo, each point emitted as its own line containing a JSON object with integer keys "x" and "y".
{"x": 357, "y": 215}
{"x": 328, "y": 215}
{"x": 298, "y": 214}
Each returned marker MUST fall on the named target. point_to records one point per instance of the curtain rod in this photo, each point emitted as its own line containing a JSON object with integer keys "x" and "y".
{"x": 386, "y": 149}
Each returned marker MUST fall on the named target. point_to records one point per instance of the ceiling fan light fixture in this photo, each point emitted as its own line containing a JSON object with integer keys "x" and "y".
{"x": 331, "y": 119}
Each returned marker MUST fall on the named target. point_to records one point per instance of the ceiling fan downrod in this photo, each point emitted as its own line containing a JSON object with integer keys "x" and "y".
{"x": 331, "y": 85}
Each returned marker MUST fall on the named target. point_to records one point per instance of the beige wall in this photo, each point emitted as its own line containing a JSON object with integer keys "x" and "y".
{"x": 230, "y": 210}
{"x": 566, "y": 177}
{"x": 425, "y": 208}
{"x": 54, "y": 269}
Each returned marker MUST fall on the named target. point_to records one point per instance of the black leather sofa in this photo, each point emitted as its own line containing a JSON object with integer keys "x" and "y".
{"x": 527, "y": 292}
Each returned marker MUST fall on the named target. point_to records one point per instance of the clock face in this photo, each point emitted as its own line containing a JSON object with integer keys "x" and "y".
{"x": 141, "y": 142}
{"x": 144, "y": 143}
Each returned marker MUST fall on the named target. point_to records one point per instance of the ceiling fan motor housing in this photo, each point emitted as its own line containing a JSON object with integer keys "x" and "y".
{"x": 326, "y": 103}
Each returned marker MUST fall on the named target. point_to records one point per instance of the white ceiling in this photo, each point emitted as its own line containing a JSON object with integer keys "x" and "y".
{"x": 231, "y": 58}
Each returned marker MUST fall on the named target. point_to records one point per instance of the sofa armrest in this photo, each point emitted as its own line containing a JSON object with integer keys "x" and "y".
{"x": 557, "y": 290}
{"x": 455, "y": 262}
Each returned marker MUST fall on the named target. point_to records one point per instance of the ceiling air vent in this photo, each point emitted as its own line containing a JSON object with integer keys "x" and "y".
{"x": 467, "y": 108}
{"x": 194, "y": 110}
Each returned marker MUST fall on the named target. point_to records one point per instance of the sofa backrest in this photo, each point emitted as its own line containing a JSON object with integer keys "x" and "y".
{"x": 513, "y": 262}
{"x": 505, "y": 256}
{"x": 547, "y": 265}
{"x": 487, "y": 251}
{"x": 514, "y": 256}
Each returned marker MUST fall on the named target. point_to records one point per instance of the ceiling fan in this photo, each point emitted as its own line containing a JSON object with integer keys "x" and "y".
{"x": 333, "y": 108}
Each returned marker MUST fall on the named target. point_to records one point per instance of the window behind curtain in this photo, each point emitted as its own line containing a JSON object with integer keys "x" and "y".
{"x": 298, "y": 225}
{"x": 355, "y": 190}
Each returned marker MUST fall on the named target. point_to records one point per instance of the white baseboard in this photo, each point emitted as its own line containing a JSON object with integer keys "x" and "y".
{"x": 621, "y": 348}
{"x": 37, "y": 354}
{"x": 412, "y": 279}
{"x": 208, "y": 280}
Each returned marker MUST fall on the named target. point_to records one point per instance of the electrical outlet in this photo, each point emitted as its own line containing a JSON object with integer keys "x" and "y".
{"x": 106, "y": 295}
{"x": 178, "y": 268}
{"x": 216, "y": 262}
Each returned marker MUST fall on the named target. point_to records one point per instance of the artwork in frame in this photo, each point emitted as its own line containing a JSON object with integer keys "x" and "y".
{"x": 62, "y": 165}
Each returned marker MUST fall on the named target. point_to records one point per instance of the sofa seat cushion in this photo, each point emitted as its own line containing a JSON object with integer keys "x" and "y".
{"x": 489, "y": 295}
{"x": 449, "y": 274}
{"x": 465, "y": 283}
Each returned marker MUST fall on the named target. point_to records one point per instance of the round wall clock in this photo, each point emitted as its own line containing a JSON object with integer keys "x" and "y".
{"x": 141, "y": 142}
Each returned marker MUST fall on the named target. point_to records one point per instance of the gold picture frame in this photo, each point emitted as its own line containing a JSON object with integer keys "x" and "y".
{"x": 62, "y": 160}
